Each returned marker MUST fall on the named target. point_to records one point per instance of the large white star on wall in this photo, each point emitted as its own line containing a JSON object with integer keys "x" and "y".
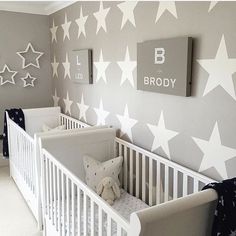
{"x": 166, "y": 6}
{"x": 127, "y": 124}
{"x": 162, "y": 135}
{"x": 66, "y": 65}
{"x": 55, "y": 65}
{"x": 127, "y": 9}
{"x": 101, "y": 114}
{"x": 7, "y": 75}
{"x": 81, "y": 21}
{"x": 82, "y": 109}
{"x": 101, "y": 67}
{"x": 55, "y": 99}
{"x": 212, "y": 5}
{"x": 127, "y": 66}
{"x": 220, "y": 70}
{"x": 215, "y": 154}
{"x": 66, "y": 28}
{"x": 30, "y": 57}
{"x": 53, "y": 30}
{"x": 68, "y": 104}
{"x": 101, "y": 17}
{"x": 28, "y": 80}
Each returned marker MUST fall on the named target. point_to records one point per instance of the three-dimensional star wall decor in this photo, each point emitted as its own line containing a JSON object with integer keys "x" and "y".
{"x": 7, "y": 75}
{"x": 30, "y": 57}
{"x": 28, "y": 80}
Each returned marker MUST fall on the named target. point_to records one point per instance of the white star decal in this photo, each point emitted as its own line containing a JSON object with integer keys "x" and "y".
{"x": 101, "y": 67}
{"x": 166, "y": 6}
{"x": 220, "y": 70}
{"x": 55, "y": 65}
{"x": 215, "y": 154}
{"x": 127, "y": 124}
{"x": 127, "y": 66}
{"x": 30, "y": 61}
{"x": 81, "y": 23}
{"x": 127, "y": 9}
{"x": 28, "y": 80}
{"x": 55, "y": 99}
{"x": 162, "y": 135}
{"x": 82, "y": 108}
{"x": 66, "y": 28}
{"x": 68, "y": 104}
{"x": 101, "y": 114}
{"x": 66, "y": 65}
{"x": 101, "y": 17}
{"x": 54, "y": 32}
{"x": 212, "y": 5}
{"x": 7, "y": 75}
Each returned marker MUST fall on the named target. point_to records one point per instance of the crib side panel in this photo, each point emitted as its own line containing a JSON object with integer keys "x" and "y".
{"x": 35, "y": 118}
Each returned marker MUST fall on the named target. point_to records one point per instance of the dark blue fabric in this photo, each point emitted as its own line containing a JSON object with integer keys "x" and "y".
{"x": 17, "y": 115}
{"x": 225, "y": 214}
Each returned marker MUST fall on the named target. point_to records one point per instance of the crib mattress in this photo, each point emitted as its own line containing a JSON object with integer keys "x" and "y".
{"x": 125, "y": 205}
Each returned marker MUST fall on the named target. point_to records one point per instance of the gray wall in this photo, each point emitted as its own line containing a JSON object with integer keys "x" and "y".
{"x": 188, "y": 118}
{"x": 17, "y": 30}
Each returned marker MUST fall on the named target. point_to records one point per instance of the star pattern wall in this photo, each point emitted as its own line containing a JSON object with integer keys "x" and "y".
{"x": 112, "y": 29}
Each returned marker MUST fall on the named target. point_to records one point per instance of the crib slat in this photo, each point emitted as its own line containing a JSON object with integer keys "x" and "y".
{"x": 137, "y": 175}
{"x": 109, "y": 225}
{"x": 85, "y": 214}
{"x": 175, "y": 184}
{"x": 166, "y": 195}
{"x": 131, "y": 172}
{"x": 54, "y": 196}
{"x": 68, "y": 205}
{"x": 92, "y": 226}
{"x": 121, "y": 172}
{"x": 59, "y": 201}
{"x": 73, "y": 207}
{"x": 158, "y": 182}
{"x": 125, "y": 169}
{"x": 195, "y": 185}
{"x": 150, "y": 182}
{"x": 63, "y": 182}
{"x": 78, "y": 210}
{"x": 143, "y": 177}
{"x": 47, "y": 187}
{"x": 119, "y": 230}
{"x": 100, "y": 221}
{"x": 50, "y": 192}
{"x": 185, "y": 184}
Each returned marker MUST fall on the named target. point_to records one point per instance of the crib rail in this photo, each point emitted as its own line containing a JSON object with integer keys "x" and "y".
{"x": 72, "y": 207}
{"x": 71, "y": 123}
{"x": 155, "y": 179}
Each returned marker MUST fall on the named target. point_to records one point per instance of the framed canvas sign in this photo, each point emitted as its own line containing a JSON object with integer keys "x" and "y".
{"x": 164, "y": 66}
{"x": 82, "y": 66}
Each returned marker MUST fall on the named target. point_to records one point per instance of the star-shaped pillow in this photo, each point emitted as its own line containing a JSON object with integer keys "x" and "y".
{"x": 95, "y": 170}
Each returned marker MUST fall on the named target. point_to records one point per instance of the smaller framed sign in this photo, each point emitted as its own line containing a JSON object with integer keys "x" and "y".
{"x": 82, "y": 66}
{"x": 164, "y": 66}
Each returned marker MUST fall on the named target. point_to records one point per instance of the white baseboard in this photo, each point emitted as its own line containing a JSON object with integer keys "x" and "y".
{"x": 3, "y": 162}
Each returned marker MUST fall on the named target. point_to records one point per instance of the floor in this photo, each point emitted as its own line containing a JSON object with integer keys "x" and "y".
{"x": 15, "y": 216}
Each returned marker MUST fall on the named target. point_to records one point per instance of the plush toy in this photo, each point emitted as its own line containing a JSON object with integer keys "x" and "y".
{"x": 108, "y": 189}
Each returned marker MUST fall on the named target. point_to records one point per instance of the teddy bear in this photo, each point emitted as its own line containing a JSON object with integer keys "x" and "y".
{"x": 108, "y": 189}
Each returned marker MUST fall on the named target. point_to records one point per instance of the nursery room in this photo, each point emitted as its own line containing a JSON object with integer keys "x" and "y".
{"x": 117, "y": 118}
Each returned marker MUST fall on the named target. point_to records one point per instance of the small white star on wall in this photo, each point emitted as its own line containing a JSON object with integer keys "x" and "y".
{"x": 81, "y": 21}
{"x": 212, "y": 5}
{"x": 127, "y": 124}
{"x": 101, "y": 67}
{"x": 220, "y": 70}
{"x": 82, "y": 108}
{"x": 55, "y": 99}
{"x": 68, "y": 104}
{"x": 162, "y": 135}
{"x": 127, "y": 9}
{"x": 55, "y": 65}
{"x": 166, "y": 6}
{"x": 66, "y": 28}
{"x": 30, "y": 57}
{"x": 215, "y": 154}
{"x": 66, "y": 65}
{"x": 28, "y": 80}
{"x": 101, "y": 114}
{"x": 7, "y": 75}
{"x": 127, "y": 66}
{"x": 101, "y": 17}
{"x": 53, "y": 30}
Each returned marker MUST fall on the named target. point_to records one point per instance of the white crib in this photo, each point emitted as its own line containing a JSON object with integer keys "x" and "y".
{"x": 24, "y": 151}
{"x": 176, "y": 207}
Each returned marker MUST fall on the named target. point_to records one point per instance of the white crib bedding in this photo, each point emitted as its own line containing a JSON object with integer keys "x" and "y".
{"x": 125, "y": 205}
